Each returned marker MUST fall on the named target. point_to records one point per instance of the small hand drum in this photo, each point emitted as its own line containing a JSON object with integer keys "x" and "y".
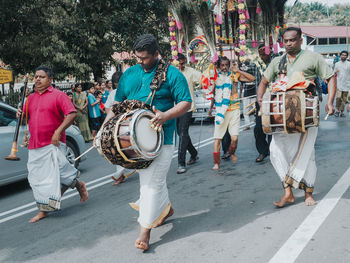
{"x": 287, "y": 112}
{"x": 129, "y": 141}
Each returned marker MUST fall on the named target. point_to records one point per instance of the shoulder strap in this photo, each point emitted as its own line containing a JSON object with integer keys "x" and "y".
{"x": 282, "y": 67}
{"x": 158, "y": 79}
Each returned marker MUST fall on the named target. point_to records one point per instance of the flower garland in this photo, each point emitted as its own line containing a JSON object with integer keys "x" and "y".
{"x": 243, "y": 15}
{"x": 173, "y": 43}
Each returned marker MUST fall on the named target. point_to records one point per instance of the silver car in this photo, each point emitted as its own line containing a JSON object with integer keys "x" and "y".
{"x": 12, "y": 171}
{"x": 202, "y": 107}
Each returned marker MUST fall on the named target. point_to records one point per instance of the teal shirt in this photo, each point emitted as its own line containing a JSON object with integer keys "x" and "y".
{"x": 134, "y": 85}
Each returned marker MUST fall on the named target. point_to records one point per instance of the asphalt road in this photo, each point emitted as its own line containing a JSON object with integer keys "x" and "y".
{"x": 224, "y": 216}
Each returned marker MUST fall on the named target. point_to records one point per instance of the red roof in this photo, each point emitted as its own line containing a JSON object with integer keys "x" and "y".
{"x": 326, "y": 31}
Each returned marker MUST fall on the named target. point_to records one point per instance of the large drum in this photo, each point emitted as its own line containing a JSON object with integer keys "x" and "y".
{"x": 289, "y": 112}
{"x": 129, "y": 141}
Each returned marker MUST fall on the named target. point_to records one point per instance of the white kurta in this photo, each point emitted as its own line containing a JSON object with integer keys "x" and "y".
{"x": 293, "y": 157}
{"x": 154, "y": 204}
{"x": 48, "y": 170}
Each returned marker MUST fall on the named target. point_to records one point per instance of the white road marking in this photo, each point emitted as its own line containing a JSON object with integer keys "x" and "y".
{"x": 290, "y": 251}
{"x": 201, "y": 144}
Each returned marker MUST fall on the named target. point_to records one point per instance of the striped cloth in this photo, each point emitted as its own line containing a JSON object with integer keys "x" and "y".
{"x": 223, "y": 87}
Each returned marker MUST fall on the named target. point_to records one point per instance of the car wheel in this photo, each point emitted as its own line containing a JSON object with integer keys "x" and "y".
{"x": 72, "y": 153}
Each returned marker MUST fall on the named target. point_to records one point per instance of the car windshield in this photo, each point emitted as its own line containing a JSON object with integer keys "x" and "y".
{"x": 7, "y": 117}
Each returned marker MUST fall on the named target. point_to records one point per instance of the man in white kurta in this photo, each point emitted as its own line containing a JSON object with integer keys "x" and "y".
{"x": 342, "y": 69}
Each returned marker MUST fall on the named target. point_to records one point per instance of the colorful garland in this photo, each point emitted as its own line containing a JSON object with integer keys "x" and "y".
{"x": 243, "y": 15}
{"x": 173, "y": 43}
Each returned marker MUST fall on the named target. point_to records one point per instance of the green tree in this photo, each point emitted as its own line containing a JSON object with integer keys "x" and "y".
{"x": 75, "y": 37}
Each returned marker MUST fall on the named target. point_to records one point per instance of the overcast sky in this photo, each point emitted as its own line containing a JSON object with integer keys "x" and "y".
{"x": 327, "y": 2}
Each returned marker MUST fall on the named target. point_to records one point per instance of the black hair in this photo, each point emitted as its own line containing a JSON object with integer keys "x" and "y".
{"x": 261, "y": 45}
{"x": 297, "y": 29}
{"x": 116, "y": 77}
{"x": 181, "y": 57}
{"x": 77, "y": 85}
{"x": 146, "y": 42}
{"x": 69, "y": 93}
{"x": 345, "y": 52}
{"x": 47, "y": 70}
{"x": 221, "y": 59}
{"x": 97, "y": 93}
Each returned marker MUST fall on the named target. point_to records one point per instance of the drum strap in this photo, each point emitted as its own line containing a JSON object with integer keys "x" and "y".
{"x": 159, "y": 78}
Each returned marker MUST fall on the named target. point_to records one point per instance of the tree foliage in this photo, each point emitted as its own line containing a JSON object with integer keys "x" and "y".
{"x": 319, "y": 13}
{"x": 75, "y": 37}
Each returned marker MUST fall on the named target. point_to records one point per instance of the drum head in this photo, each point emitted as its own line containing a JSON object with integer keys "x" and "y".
{"x": 147, "y": 138}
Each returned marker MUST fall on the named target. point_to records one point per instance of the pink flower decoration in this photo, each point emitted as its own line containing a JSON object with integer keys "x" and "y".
{"x": 170, "y": 18}
{"x": 242, "y": 53}
{"x": 175, "y": 57}
{"x": 219, "y": 19}
{"x": 171, "y": 29}
{"x": 240, "y": 11}
{"x": 247, "y": 14}
{"x": 174, "y": 48}
{"x": 240, "y": 1}
{"x": 258, "y": 10}
{"x": 281, "y": 44}
{"x": 172, "y": 38}
{"x": 267, "y": 50}
{"x": 242, "y": 42}
{"x": 193, "y": 59}
{"x": 254, "y": 43}
{"x": 242, "y": 32}
{"x": 242, "y": 21}
{"x": 180, "y": 50}
{"x": 178, "y": 24}
{"x": 215, "y": 58}
{"x": 275, "y": 48}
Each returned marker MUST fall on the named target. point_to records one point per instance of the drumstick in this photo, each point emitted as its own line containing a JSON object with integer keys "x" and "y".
{"x": 325, "y": 118}
{"x": 88, "y": 150}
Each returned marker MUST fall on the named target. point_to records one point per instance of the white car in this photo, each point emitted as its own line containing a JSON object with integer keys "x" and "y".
{"x": 202, "y": 107}
{"x": 13, "y": 171}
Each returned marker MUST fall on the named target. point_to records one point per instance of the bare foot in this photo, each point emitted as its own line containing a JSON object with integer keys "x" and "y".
{"x": 309, "y": 200}
{"x": 285, "y": 199}
{"x": 81, "y": 187}
{"x": 142, "y": 242}
{"x": 234, "y": 158}
{"x": 161, "y": 222}
{"x": 39, "y": 216}
{"x": 216, "y": 167}
{"x": 118, "y": 180}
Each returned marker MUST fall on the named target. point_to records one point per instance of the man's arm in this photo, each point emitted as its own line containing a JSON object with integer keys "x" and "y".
{"x": 68, "y": 120}
{"x": 332, "y": 88}
{"x": 178, "y": 110}
{"x": 246, "y": 77}
{"x": 261, "y": 90}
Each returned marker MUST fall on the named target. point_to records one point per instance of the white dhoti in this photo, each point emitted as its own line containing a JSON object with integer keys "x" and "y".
{"x": 154, "y": 204}
{"x": 48, "y": 170}
{"x": 293, "y": 157}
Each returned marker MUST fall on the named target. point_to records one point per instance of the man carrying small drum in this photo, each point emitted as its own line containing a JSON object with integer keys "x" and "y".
{"x": 293, "y": 155}
{"x": 172, "y": 100}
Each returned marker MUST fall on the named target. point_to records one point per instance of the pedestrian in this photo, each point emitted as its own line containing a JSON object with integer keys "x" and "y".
{"x": 94, "y": 112}
{"x": 98, "y": 95}
{"x": 104, "y": 92}
{"x": 172, "y": 100}
{"x": 109, "y": 85}
{"x": 342, "y": 69}
{"x": 49, "y": 172}
{"x": 80, "y": 102}
{"x": 262, "y": 141}
{"x": 227, "y": 106}
{"x": 293, "y": 155}
{"x": 183, "y": 122}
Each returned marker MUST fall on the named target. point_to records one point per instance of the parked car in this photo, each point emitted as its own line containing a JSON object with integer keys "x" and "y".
{"x": 12, "y": 171}
{"x": 202, "y": 107}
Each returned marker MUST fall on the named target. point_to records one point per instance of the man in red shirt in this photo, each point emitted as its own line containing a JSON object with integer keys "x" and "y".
{"x": 50, "y": 113}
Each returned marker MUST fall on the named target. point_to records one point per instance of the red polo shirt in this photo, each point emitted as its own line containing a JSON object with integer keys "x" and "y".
{"x": 46, "y": 113}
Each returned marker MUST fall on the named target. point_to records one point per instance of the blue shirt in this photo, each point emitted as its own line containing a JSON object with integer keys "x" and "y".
{"x": 105, "y": 96}
{"x": 94, "y": 111}
{"x": 134, "y": 85}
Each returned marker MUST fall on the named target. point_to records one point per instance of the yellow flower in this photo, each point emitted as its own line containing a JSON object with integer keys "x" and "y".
{"x": 243, "y": 47}
{"x": 242, "y": 27}
{"x": 173, "y": 34}
{"x": 174, "y": 53}
{"x": 217, "y": 28}
{"x": 175, "y": 63}
{"x": 240, "y": 6}
{"x": 241, "y": 16}
{"x": 172, "y": 23}
{"x": 242, "y": 58}
{"x": 242, "y": 37}
{"x": 237, "y": 49}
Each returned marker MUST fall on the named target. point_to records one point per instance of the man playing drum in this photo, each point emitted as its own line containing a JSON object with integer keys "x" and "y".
{"x": 293, "y": 155}
{"x": 154, "y": 204}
